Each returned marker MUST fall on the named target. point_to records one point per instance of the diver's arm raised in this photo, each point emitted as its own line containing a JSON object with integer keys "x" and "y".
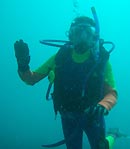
{"x": 23, "y": 59}
{"x": 30, "y": 77}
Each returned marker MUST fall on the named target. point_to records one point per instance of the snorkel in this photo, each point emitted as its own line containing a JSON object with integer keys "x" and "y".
{"x": 97, "y": 32}
{"x": 96, "y": 50}
{"x": 99, "y": 41}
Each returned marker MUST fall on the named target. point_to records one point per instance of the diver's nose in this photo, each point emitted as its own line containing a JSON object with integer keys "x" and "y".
{"x": 83, "y": 35}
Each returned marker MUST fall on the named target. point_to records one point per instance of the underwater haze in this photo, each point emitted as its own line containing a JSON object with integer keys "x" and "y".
{"x": 27, "y": 120}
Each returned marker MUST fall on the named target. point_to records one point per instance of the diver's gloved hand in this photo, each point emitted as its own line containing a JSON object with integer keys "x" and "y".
{"x": 97, "y": 110}
{"x": 22, "y": 55}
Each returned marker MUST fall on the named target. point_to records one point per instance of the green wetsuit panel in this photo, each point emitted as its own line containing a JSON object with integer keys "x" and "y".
{"x": 78, "y": 58}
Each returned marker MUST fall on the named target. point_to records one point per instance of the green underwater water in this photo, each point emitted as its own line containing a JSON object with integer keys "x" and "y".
{"x": 27, "y": 120}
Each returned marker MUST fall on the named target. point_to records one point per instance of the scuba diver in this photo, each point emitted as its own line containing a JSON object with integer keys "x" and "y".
{"x": 84, "y": 87}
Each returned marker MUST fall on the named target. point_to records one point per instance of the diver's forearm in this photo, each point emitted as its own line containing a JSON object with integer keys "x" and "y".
{"x": 30, "y": 77}
{"x": 109, "y": 100}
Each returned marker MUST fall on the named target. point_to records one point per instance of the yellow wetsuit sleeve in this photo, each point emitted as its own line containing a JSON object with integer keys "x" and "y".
{"x": 45, "y": 68}
{"x": 32, "y": 77}
{"x": 110, "y": 94}
{"x": 109, "y": 78}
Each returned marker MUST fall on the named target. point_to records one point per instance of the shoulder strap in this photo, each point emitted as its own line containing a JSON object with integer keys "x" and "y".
{"x": 62, "y": 54}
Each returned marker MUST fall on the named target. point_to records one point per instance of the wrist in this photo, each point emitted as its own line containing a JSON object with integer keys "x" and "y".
{"x": 23, "y": 68}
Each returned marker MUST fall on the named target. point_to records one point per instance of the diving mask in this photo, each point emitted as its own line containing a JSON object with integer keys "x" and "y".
{"x": 82, "y": 35}
{"x": 79, "y": 29}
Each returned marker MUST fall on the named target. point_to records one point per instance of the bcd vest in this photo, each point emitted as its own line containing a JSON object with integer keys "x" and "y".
{"x": 71, "y": 78}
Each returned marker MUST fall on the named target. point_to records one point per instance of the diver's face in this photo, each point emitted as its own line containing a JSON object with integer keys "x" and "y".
{"x": 82, "y": 37}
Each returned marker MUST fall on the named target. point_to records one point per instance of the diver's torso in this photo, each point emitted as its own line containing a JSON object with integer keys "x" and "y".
{"x": 71, "y": 79}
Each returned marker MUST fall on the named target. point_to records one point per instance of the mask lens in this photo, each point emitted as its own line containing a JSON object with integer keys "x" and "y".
{"x": 82, "y": 36}
{"x": 79, "y": 29}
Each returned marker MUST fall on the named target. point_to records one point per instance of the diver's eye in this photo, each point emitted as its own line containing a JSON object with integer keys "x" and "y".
{"x": 79, "y": 29}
